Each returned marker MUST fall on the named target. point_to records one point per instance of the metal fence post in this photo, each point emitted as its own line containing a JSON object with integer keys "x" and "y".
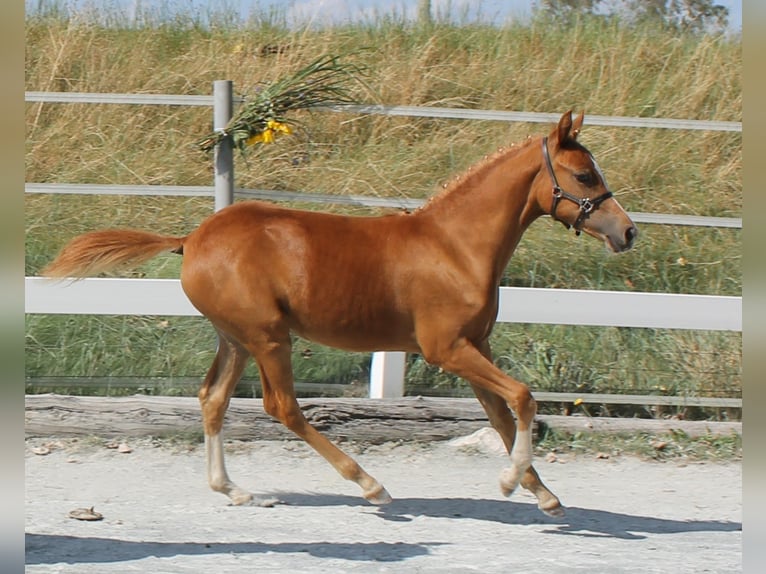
{"x": 224, "y": 154}
{"x": 387, "y": 375}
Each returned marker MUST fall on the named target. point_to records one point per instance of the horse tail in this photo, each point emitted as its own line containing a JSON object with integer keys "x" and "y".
{"x": 99, "y": 251}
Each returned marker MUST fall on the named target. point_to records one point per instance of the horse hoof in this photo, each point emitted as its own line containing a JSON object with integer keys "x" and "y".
{"x": 240, "y": 498}
{"x": 505, "y": 491}
{"x": 265, "y": 502}
{"x": 556, "y": 512}
{"x": 378, "y": 496}
{"x": 509, "y": 480}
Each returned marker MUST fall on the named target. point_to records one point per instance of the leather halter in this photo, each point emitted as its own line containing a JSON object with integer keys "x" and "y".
{"x": 585, "y": 204}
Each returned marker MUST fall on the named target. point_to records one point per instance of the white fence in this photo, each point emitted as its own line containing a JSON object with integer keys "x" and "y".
{"x": 520, "y": 305}
{"x": 407, "y": 111}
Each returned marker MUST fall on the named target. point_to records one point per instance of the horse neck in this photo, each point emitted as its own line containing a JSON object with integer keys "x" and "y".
{"x": 488, "y": 209}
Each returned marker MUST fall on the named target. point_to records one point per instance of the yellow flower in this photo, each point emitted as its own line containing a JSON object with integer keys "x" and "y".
{"x": 252, "y": 140}
{"x": 276, "y": 126}
{"x": 578, "y": 402}
{"x": 267, "y": 136}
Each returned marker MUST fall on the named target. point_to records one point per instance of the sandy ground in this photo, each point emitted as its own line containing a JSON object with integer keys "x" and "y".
{"x": 623, "y": 514}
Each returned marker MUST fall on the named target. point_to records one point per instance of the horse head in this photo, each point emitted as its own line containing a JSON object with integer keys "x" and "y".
{"x": 573, "y": 189}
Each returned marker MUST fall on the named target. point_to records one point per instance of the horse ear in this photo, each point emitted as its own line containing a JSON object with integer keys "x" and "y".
{"x": 577, "y": 125}
{"x": 561, "y": 132}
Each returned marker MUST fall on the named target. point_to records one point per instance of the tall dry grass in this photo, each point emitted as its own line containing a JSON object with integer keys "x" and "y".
{"x": 603, "y": 68}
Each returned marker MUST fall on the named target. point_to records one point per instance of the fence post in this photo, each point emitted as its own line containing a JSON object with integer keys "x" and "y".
{"x": 223, "y": 154}
{"x": 387, "y": 375}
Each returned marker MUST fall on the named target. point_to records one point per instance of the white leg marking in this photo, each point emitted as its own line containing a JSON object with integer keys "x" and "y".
{"x": 217, "y": 476}
{"x": 521, "y": 459}
{"x": 216, "y": 468}
{"x": 521, "y": 455}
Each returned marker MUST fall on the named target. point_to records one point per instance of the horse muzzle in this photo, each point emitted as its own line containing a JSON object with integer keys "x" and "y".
{"x": 617, "y": 240}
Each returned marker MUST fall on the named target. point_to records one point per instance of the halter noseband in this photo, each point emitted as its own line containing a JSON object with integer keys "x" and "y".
{"x": 585, "y": 204}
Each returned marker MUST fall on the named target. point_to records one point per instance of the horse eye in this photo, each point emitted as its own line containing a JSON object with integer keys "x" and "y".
{"x": 587, "y": 178}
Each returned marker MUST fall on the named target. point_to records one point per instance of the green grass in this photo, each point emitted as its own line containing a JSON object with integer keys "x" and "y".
{"x": 603, "y": 68}
{"x": 674, "y": 445}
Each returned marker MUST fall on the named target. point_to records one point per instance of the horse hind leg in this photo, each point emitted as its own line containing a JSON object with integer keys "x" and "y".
{"x": 214, "y": 396}
{"x": 279, "y": 401}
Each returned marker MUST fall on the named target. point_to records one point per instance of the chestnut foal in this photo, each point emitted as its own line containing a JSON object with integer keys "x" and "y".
{"x": 425, "y": 282}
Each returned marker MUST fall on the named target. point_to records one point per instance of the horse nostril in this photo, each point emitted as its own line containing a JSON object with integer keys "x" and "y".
{"x": 630, "y": 235}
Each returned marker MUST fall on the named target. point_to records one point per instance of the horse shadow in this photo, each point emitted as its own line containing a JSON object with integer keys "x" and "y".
{"x": 54, "y": 549}
{"x": 583, "y": 522}
{"x": 577, "y": 521}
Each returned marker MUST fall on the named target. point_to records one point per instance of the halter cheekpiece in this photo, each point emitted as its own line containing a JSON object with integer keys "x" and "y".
{"x": 585, "y": 204}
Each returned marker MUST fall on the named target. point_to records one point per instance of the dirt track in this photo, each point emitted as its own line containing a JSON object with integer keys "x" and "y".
{"x": 623, "y": 515}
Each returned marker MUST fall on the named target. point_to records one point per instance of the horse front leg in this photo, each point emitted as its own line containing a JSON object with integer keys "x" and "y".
{"x": 496, "y": 391}
{"x": 502, "y": 421}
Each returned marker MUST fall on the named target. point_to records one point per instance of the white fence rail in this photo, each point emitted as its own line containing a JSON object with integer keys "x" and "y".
{"x": 407, "y": 111}
{"x": 520, "y": 305}
{"x": 359, "y": 200}
{"x": 517, "y": 304}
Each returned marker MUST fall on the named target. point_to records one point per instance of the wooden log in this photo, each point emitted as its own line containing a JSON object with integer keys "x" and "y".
{"x": 363, "y": 420}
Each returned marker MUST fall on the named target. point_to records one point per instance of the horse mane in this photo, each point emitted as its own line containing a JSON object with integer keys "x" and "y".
{"x": 465, "y": 180}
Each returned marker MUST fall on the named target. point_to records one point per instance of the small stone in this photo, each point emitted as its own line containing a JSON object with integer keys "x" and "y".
{"x": 551, "y": 457}
{"x": 85, "y": 514}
